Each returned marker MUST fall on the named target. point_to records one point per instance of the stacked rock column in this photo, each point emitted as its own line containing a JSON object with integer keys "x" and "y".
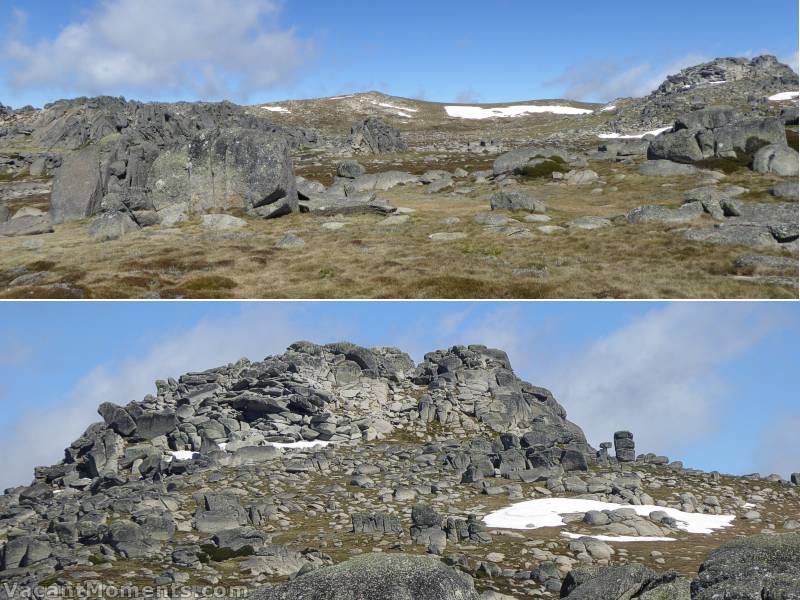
{"x": 624, "y": 447}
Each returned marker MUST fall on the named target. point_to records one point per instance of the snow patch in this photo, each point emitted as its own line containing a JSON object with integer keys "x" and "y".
{"x": 608, "y": 108}
{"x": 400, "y": 111}
{"x": 784, "y": 96}
{"x": 277, "y": 109}
{"x": 618, "y": 538}
{"x": 548, "y": 512}
{"x": 387, "y": 105}
{"x": 633, "y": 136}
{"x": 478, "y": 112}
{"x": 302, "y": 444}
{"x": 181, "y": 455}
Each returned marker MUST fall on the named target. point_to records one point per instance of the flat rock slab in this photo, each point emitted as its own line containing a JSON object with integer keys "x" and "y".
{"x": 666, "y": 168}
{"x": 767, "y": 279}
{"x": 512, "y": 231}
{"x": 777, "y": 263}
{"x": 290, "y": 242}
{"x": 662, "y": 214}
{"x": 327, "y": 204}
{"x": 30, "y": 225}
{"x": 550, "y": 229}
{"x": 334, "y": 225}
{"x": 537, "y": 218}
{"x": 786, "y": 189}
{"x": 222, "y": 222}
{"x": 491, "y": 219}
{"x": 447, "y": 236}
{"x": 589, "y": 223}
{"x": 754, "y": 236}
{"x": 394, "y": 220}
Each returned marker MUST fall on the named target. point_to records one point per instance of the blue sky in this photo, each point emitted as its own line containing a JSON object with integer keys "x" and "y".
{"x": 447, "y": 50}
{"x": 713, "y": 384}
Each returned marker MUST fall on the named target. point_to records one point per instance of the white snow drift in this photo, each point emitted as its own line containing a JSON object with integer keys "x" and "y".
{"x": 478, "y": 112}
{"x": 633, "y": 136}
{"x": 302, "y": 444}
{"x": 784, "y": 96}
{"x": 277, "y": 109}
{"x": 181, "y": 455}
{"x": 548, "y": 512}
{"x": 618, "y": 538}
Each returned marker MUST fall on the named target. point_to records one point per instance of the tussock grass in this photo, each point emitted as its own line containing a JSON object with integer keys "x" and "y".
{"x": 363, "y": 260}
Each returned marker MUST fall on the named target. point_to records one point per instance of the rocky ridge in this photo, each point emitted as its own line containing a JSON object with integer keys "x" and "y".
{"x": 252, "y": 472}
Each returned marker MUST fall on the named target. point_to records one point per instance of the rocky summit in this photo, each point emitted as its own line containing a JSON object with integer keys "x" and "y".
{"x": 343, "y": 472}
{"x": 386, "y": 195}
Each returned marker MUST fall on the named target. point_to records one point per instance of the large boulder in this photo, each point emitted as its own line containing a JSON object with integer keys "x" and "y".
{"x": 778, "y": 159}
{"x": 350, "y": 169}
{"x": 680, "y": 146}
{"x": 111, "y": 226}
{"x": 519, "y": 158}
{"x": 228, "y": 168}
{"x": 607, "y": 583}
{"x": 715, "y": 132}
{"x": 516, "y": 201}
{"x": 377, "y": 577}
{"x": 760, "y": 567}
{"x": 666, "y": 168}
{"x": 77, "y": 186}
{"x": 373, "y": 136}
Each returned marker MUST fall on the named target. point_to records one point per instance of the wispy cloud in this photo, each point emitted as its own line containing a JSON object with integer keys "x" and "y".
{"x": 203, "y": 48}
{"x": 658, "y": 376}
{"x": 38, "y": 436}
{"x": 468, "y": 96}
{"x": 14, "y": 351}
{"x": 779, "y": 448}
{"x": 603, "y": 81}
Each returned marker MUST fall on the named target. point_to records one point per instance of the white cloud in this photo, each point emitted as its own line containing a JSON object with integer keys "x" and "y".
{"x": 603, "y": 81}
{"x": 793, "y": 60}
{"x": 657, "y": 376}
{"x": 779, "y": 450}
{"x": 39, "y": 436}
{"x": 205, "y": 48}
{"x": 468, "y": 96}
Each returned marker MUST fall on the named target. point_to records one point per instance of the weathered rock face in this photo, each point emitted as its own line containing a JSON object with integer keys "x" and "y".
{"x": 377, "y": 577}
{"x": 765, "y": 67}
{"x": 109, "y": 148}
{"x": 373, "y": 136}
{"x": 624, "y": 446}
{"x": 71, "y": 124}
{"x": 514, "y": 160}
{"x": 732, "y": 81}
{"x": 715, "y": 132}
{"x": 232, "y": 168}
{"x": 607, "y": 583}
{"x": 778, "y": 159}
{"x": 516, "y": 201}
{"x": 753, "y": 568}
{"x": 467, "y": 381}
{"x": 77, "y": 186}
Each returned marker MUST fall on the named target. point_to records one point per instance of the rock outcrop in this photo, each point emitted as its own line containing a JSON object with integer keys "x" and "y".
{"x": 730, "y": 81}
{"x": 374, "y": 136}
{"x": 717, "y": 132}
{"x": 377, "y": 577}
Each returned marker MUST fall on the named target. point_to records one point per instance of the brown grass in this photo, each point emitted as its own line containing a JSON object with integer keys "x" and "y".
{"x": 364, "y": 260}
